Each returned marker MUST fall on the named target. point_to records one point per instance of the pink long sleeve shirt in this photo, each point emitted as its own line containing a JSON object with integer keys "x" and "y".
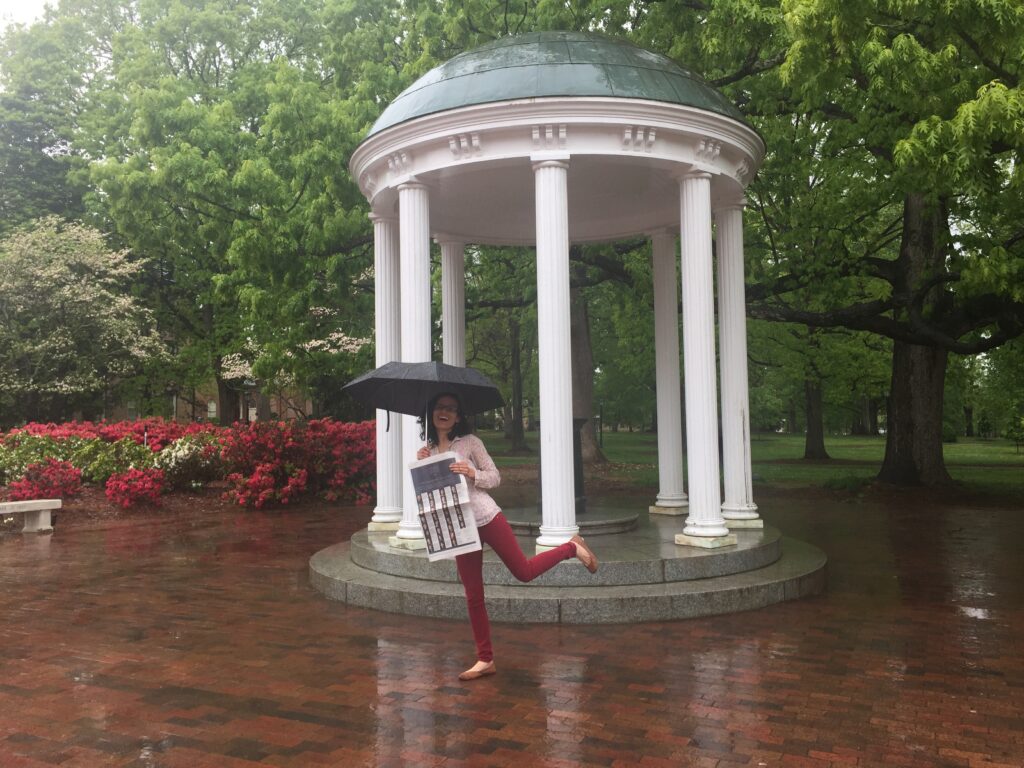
{"x": 470, "y": 448}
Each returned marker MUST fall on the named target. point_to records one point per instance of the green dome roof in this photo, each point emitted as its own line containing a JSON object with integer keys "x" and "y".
{"x": 545, "y": 64}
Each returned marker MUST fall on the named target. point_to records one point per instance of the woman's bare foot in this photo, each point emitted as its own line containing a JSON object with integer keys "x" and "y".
{"x": 583, "y": 553}
{"x": 480, "y": 669}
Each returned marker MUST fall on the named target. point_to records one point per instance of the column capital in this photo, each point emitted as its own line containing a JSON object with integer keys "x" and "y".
{"x": 444, "y": 239}
{"x": 735, "y": 205}
{"x": 663, "y": 232}
{"x": 374, "y": 216}
{"x": 549, "y": 160}
{"x": 691, "y": 174}
{"x": 412, "y": 183}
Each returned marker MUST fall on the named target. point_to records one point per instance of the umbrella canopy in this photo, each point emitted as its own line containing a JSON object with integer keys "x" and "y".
{"x": 409, "y": 387}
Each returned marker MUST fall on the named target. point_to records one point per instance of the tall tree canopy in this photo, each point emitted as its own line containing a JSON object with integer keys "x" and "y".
{"x": 924, "y": 100}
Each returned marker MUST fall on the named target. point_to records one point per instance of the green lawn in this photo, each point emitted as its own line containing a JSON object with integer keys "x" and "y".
{"x": 985, "y": 465}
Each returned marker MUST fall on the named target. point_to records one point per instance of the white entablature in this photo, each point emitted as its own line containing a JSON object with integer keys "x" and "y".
{"x": 627, "y": 156}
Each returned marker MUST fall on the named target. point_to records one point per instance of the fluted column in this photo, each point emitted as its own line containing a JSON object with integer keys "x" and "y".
{"x": 453, "y": 301}
{"x": 704, "y": 526}
{"x": 387, "y": 323}
{"x": 558, "y": 521}
{"x": 414, "y": 236}
{"x": 738, "y": 508}
{"x": 671, "y": 496}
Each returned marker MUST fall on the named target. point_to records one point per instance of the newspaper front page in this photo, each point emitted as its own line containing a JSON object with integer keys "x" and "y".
{"x": 445, "y": 512}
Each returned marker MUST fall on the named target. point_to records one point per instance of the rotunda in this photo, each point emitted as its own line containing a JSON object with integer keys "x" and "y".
{"x": 549, "y": 139}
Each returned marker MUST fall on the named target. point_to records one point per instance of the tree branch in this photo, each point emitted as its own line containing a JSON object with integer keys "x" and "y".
{"x": 752, "y": 66}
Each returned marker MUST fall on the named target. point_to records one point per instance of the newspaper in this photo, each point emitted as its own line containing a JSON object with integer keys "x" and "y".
{"x": 445, "y": 514}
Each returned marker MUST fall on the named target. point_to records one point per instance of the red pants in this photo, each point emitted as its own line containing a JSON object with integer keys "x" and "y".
{"x": 498, "y": 535}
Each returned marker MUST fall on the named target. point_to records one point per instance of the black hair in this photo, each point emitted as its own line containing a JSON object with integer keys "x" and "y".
{"x": 428, "y": 431}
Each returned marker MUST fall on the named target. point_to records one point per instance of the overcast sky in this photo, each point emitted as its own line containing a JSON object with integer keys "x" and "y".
{"x": 20, "y": 11}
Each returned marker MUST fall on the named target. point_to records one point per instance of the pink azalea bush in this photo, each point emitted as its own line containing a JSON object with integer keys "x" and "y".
{"x": 266, "y": 463}
{"x": 49, "y": 479}
{"x": 277, "y": 461}
{"x": 134, "y": 486}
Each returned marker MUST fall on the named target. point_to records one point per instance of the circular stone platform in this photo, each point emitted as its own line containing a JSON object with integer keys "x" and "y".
{"x": 644, "y": 576}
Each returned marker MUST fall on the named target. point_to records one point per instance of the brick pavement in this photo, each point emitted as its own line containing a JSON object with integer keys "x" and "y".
{"x": 198, "y": 642}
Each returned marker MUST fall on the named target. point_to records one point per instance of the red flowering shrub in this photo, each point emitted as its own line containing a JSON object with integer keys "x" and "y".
{"x": 154, "y": 432}
{"x": 49, "y": 479}
{"x": 135, "y": 485}
{"x": 269, "y": 462}
{"x": 275, "y": 461}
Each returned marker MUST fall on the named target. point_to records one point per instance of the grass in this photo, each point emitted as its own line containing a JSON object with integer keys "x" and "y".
{"x": 981, "y": 465}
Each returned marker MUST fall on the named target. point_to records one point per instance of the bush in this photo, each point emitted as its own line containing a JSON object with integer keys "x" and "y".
{"x": 98, "y": 460}
{"x": 49, "y": 479}
{"x": 269, "y": 462}
{"x": 18, "y": 451}
{"x": 191, "y": 460}
{"x": 154, "y": 433}
{"x": 275, "y": 461}
{"x": 135, "y": 485}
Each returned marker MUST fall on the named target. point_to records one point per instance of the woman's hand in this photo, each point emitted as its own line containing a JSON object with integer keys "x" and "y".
{"x": 423, "y": 453}
{"x": 463, "y": 468}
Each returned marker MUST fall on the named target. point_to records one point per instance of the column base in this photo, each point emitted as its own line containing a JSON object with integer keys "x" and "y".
{"x": 732, "y": 511}
{"x": 706, "y": 542}
{"x": 372, "y": 526}
{"x": 756, "y": 522}
{"x": 656, "y": 509}
{"x": 413, "y": 545}
{"x": 551, "y": 539}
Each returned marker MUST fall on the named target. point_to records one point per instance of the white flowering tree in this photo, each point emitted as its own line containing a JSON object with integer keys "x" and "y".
{"x": 70, "y": 328}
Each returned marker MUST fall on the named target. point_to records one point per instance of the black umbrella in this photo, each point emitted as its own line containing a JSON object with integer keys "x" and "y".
{"x": 409, "y": 387}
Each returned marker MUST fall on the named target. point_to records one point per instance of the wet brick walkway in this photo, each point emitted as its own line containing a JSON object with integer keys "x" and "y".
{"x": 200, "y": 643}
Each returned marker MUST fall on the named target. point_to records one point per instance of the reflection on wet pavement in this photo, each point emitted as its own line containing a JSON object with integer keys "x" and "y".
{"x": 200, "y": 643}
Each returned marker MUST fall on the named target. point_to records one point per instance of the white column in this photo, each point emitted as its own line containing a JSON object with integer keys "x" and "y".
{"x": 387, "y": 323}
{"x": 414, "y": 232}
{"x": 704, "y": 526}
{"x": 453, "y": 301}
{"x": 558, "y": 499}
{"x": 671, "y": 496}
{"x": 738, "y": 509}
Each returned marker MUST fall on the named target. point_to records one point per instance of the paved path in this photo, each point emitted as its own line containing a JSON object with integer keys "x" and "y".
{"x": 200, "y": 643}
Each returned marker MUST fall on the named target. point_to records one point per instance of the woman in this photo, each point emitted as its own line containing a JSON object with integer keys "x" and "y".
{"x": 449, "y": 430}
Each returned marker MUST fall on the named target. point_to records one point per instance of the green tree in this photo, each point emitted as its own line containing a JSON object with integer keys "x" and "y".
{"x": 71, "y": 332}
{"x": 44, "y": 70}
{"x": 932, "y": 118}
{"x": 218, "y": 124}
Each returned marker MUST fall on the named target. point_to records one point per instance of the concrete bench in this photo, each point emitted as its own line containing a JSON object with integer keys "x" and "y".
{"x": 37, "y": 513}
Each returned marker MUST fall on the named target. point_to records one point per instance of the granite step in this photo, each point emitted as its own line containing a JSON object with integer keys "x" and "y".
{"x": 646, "y": 556}
{"x": 798, "y": 572}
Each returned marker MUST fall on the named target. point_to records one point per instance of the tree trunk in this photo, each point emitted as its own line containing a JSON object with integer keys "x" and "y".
{"x": 791, "y": 422}
{"x": 514, "y": 427}
{"x": 814, "y": 443}
{"x": 872, "y": 406}
{"x": 583, "y": 376}
{"x": 264, "y": 408}
{"x": 865, "y": 420}
{"x": 228, "y": 402}
{"x": 968, "y": 421}
{"x": 913, "y": 439}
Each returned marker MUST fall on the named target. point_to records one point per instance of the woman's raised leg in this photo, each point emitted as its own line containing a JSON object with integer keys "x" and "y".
{"x": 498, "y": 534}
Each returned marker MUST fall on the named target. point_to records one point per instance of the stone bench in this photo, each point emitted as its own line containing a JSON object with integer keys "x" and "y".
{"x": 37, "y": 513}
